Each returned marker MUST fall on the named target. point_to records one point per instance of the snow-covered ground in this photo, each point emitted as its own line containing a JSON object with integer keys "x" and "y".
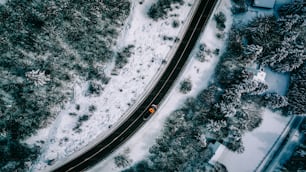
{"x": 124, "y": 90}
{"x": 198, "y": 72}
{"x": 2, "y": 2}
{"x": 277, "y": 82}
{"x": 257, "y": 143}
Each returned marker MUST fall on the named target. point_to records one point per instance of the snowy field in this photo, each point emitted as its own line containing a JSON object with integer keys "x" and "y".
{"x": 198, "y": 72}
{"x": 257, "y": 143}
{"x": 277, "y": 82}
{"x": 2, "y": 1}
{"x": 124, "y": 90}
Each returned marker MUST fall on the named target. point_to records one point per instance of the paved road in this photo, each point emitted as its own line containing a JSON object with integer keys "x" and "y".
{"x": 123, "y": 132}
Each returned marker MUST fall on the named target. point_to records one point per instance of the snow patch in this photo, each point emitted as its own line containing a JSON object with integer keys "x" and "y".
{"x": 2, "y": 2}
{"x": 257, "y": 143}
{"x": 277, "y": 82}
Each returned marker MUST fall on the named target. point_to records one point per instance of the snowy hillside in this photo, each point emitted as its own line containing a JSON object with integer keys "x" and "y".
{"x": 153, "y": 42}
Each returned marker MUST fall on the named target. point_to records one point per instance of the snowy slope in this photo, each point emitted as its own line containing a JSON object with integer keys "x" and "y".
{"x": 150, "y": 57}
{"x": 198, "y": 72}
{"x": 2, "y": 2}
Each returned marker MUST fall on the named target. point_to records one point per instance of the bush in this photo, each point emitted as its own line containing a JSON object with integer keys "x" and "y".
{"x": 175, "y": 23}
{"x": 122, "y": 161}
{"x": 185, "y": 86}
{"x": 94, "y": 89}
{"x": 83, "y": 118}
{"x": 201, "y": 53}
{"x": 220, "y": 20}
{"x": 92, "y": 108}
{"x": 122, "y": 57}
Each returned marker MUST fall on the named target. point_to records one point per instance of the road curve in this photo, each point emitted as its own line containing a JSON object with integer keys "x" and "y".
{"x": 130, "y": 125}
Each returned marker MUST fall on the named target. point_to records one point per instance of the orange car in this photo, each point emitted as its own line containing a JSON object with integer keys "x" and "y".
{"x": 151, "y": 111}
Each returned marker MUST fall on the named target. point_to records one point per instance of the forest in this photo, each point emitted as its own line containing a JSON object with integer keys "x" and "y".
{"x": 44, "y": 47}
{"x": 231, "y": 105}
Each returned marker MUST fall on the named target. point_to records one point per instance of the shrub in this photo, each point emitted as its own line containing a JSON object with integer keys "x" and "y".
{"x": 94, "y": 88}
{"x": 122, "y": 160}
{"x": 175, "y": 23}
{"x": 92, "y": 108}
{"x": 297, "y": 91}
{"x": 220, "y": 20}
{"x": 83, "y": 118}
{"x": 122, "y": 56}
{"x": 185, "y": 86}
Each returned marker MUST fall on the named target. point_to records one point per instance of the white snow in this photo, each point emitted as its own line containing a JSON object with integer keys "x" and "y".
{"x": 121, "y": 93}
{"x": 257, "y": 143}
{"x": 199, "y": 74}
{"x": 277, "y": 82}
{"x": 2, "y": 2}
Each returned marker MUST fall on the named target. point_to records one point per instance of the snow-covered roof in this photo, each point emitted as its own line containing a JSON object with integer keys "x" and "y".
{"x": 219, "y": 148}
{"x": 260, "y": 76}
{"x": 264, "y": 3}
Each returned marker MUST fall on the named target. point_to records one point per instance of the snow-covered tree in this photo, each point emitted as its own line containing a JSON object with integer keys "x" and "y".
{"x": 295, "y": 7}
{"x": 274, "y": 100}
{"x": 251, "y": 53}
{"x": 200, "y": 55}
{"x": 122, "y": 160}
{"x": 262, "y": 31}
{"x": 215, "y": 126}
{"x": 234, "y": 134}
{"x": 39, "y": 78}
{"x": 297, "y": 91}
{"x": 185, "y": 86}
{"x": 220, "y": 19}
{"x": 228, "y": 109}
{"x": 202, "y": 140}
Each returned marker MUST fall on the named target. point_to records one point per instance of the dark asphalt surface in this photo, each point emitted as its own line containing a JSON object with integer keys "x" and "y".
{"x": 130, "y": 126}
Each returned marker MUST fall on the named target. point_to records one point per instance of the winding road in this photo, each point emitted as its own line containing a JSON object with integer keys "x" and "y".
{"x": 135, "y": 121}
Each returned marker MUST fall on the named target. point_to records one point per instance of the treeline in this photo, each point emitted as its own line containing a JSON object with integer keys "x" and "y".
{"x": 160, "y": 9}
{"x": 44, "y": 46}
{"x": 297, "y": 91}
{"x": 231, "y": 104}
